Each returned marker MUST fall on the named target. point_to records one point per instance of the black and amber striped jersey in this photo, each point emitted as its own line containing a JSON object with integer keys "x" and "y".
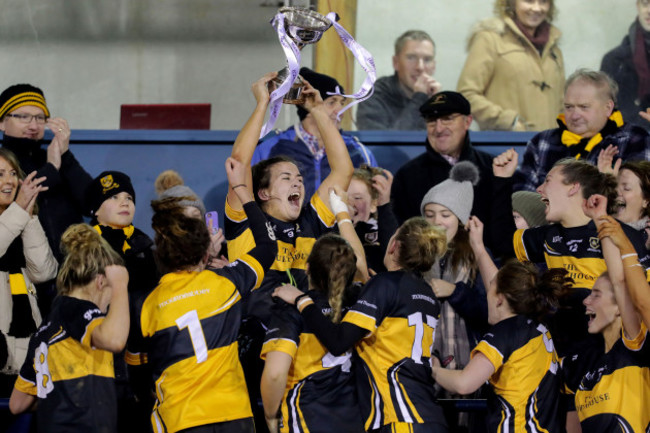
{"x": 400, "y": 312}
{"x": 320, "y": 395}
{"x": 525, "y": 384}
{"x": 576, "y": 249}
{"x": 189, "y": 326}
{"x": 73, "y": 381}
{"x": 295, "y": 241}
{"x": 614, "y": 393}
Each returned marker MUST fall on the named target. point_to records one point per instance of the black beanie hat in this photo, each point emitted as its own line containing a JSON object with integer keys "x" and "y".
{"x": 321, "y": 82}
{"x": 105, "y": 186}
{"x": 19, "y": 95}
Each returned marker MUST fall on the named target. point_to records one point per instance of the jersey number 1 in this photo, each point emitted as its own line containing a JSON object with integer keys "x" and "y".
{"x": 417, "y": 320}
{"x": 190, "y": 320}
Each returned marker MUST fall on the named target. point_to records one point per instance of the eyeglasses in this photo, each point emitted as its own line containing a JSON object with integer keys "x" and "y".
{"x": 27, "y": 118}
{"x": 445, "y": 120}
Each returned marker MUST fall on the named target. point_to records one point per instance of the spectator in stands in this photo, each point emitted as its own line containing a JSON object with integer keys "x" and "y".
{"x": 528, "y": 209}
{"x": 110, "y": 199}
{"x": 514, "y": 72}
{"x": 629, "y": 65}
{"x": 23, "y": 118}
{"x": 448, "y": 118}
{"x": 570, "y": 241}
{"x": 303, "y": 142}
{"x": 590, "y": 123}
{"x": 454, "y": 277}
{"x": 371, "y": 212}
{"x": 69, "y": 365}
{"x": 25, "y": 258}
{"x": 188, "y": 325}
{"x": 397, "y": 98}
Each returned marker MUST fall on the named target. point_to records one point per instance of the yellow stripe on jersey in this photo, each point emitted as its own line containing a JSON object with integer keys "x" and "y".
{"x": 135, "y": 358}
{"x": 256, "y": 267}
{"x": 283, "y": 345}
{"x": 293, "y": 257}
{"x": 187, "y": 400}
{"x": 584, "y": 271}
{"x": 408, "y": 402}
{"x": 68, "y": 360}
{"x": 624, "y": 393}
{"x": 636, "y": 343}
{"x": 25, "y": 386}
{"x": 401, "y": 427}
{"x": 185, "y": 292}
{"x": 490, "y": 352}
{"x": 361, "y": 320}
{"x": 520, "y": 249}
{"x": 323, "y": 211}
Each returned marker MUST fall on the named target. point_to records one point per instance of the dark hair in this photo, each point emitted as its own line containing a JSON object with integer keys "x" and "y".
{"x": 529, "y": 293}
{"x": 590, "y": 179}
{"x": 332, "y": 265}
{"x": 262, "y": 174}
{"x": 420, "y": 244}
{"x": 412, "y": 35}
{"x": 641, "y": 169}
{"x": 461, "y": 254}
{"x": 181, "y": 241}
{"x": 87, "y": 254}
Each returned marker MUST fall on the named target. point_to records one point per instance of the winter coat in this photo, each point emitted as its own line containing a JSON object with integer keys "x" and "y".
{"x": 505, "y": 77}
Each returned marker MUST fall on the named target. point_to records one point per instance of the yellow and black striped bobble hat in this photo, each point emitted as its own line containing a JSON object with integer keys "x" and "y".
{"x": 20, "y": 95}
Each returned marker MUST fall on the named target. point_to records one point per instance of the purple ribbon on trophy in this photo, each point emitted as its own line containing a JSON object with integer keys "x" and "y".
{"x": 297, "y": 27}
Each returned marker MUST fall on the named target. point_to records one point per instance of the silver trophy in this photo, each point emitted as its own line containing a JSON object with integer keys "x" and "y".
{"x": 303, "y": 26}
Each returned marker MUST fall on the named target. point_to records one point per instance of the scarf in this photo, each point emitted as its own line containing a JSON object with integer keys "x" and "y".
{"x": 541, "y": 36}
{"x": 578, "y": 145}
{"x": 22, "y": 321}
{"x": 116, "y": 238}
{"x": 28, "y": 151}
{"x": 640, "y": 58}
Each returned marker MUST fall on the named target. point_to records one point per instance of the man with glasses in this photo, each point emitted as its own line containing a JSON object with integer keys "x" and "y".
{"x": 23, "y": 118}
{"x": 447, "y": 117}
{"x": 397, "y": 98}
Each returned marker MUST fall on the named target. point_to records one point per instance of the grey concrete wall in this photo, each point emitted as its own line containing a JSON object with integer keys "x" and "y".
{"x": 90, "y": 56}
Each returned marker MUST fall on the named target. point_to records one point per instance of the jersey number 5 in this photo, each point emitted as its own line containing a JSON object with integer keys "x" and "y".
{"x": 417, "y": 320}
{"x": 190, "y": 320}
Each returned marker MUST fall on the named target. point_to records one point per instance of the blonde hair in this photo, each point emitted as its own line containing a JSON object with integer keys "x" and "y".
{"x": 87, "y": 254}
{"x": 506, "y": 8}
{"x": 420, "y": 244}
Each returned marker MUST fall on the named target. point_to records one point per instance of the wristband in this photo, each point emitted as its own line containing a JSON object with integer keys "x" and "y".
{"x": 237, "y": 186}
{"x": 298, "y": 298}
{"x": 344, "y": 220}
{"x": 625, "y": 256}
{"x": 302, "y": 302}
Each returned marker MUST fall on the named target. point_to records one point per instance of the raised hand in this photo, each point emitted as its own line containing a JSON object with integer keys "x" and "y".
{"x": 61, "y": 130}
{"x": 382, "y": 184}
{"x": 605, "y": 158}
{"x": 595, "y": 206}
{"x": 312, "y": 97}
{"x": 505, "y": 164}
{"x": 29, "y": 189}
{"x": 263, "y": 88}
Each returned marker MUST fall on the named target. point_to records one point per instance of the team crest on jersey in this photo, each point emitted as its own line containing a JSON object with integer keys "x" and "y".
{"x": 108, "y": 183}
{"x": 594, "y": 244}
{"x": 372, "y": 237}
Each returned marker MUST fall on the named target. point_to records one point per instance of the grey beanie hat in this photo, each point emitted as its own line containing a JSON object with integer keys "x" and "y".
{"x": 192, "y": 199}
{"x": 455, "y": 193}
{"x": 530, "y": 206}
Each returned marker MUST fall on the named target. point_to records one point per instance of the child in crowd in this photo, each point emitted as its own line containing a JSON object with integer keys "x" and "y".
{"x": 110, "y": 200}
{"x": 302, "y": 383}
{"x": 454, "y": 279}
{"x": 188, "y": 326}
{"x": 528, "y": 210}
{"x": 371, "y": 213}
{"x": 391, "y": 327}
{"x": 69, "y": 366}
{"x": 25, "y": 259}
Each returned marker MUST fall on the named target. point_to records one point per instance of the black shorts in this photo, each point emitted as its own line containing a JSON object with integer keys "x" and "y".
{"x": 244, "y": 425}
